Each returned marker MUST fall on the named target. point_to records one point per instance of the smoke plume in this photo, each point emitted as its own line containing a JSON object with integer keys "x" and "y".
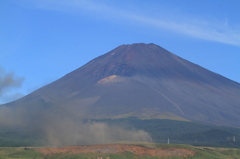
{"x": 8, "y": 82}
{"x": 62, "y": 128}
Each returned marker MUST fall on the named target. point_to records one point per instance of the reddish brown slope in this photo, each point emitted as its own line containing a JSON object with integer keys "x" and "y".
{"x": 119, "y": 148}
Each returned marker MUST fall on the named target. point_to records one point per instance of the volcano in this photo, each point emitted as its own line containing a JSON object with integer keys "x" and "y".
{"x": 140, "y": 80}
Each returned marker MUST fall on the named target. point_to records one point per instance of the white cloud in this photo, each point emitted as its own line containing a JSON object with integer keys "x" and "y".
{"x": 195, "y": 27}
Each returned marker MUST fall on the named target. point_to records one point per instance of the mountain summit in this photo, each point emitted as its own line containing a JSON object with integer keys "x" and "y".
{"x": 140, "y": 80}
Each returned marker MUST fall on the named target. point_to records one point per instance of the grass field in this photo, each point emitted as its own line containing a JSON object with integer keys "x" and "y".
{"x": 200, "y": 153}
{"x": 19, "y": 153}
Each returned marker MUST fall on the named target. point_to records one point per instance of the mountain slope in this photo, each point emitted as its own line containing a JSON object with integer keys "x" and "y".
{"x": 142, "y": 80}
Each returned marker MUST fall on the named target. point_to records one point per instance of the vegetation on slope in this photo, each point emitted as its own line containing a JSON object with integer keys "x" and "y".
{"x": 182, "y": 132}
{"x": 178, "y": 132}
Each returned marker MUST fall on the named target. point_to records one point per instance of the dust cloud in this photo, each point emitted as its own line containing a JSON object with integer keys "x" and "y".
{"x": 79, "y": 133}
{"x": 60, "y": 128}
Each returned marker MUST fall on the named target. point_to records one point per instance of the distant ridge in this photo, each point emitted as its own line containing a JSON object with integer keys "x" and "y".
{"x": 140, "y": 80}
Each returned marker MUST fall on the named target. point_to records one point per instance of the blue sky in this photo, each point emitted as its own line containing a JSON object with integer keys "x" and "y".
{"x": 42, "y": 40}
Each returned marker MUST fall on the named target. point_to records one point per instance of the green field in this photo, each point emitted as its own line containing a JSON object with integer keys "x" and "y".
{"x": 20, "y": 153}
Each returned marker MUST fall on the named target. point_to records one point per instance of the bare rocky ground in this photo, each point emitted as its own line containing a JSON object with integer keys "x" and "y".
{"x": 117, "y": 149}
